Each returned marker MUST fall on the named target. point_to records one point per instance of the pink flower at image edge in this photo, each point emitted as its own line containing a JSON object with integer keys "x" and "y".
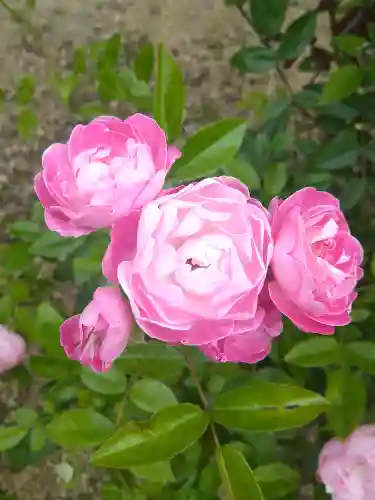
{"x": 347, "y": 468}
{"x": 12, "y": 349}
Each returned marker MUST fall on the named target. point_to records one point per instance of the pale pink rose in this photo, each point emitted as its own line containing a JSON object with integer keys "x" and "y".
{"x": 347, "y": 469}
{"x": 249, "y": 343}
{"x": 193, "y": 262}
{"x": 316, "y": 261}
{"x": 12, "y": 349}
{"x": 100, "y": 334}
{"x": 107, "y": 168}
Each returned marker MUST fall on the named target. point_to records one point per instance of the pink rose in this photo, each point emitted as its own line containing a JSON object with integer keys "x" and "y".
{"x": 250, "y": 343}
{"x": 347, "y": 468}
{"x": 12, "y": 349}
{"x": 107, "y": 168}
{"x": 315, "y": 261}
{"x": 193, "y": 262}
{"x": 100, "y": 334}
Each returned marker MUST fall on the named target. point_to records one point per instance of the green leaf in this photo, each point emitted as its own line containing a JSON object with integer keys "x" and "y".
{"x": 27, "y": 123}
{"x": 52, "y": 246}
{"x": 170, "y": 94}
{"x": 339, "y": 152}
{"x": 11, "y": 436}
{"x": 144, "y": 62}
{"x": 48, "y": 326}
{"x": 254, "y": 59}
{"x": 151, "y": 395}
{"x": 268, "y": 17}
{"x": 26, "y": 230}
{"x": 316, "y": 351}
{"x": 209, "y": 149}
{"x": 275, "y": 179}
{"x": 6, "y": 307}
{"x": 25, "y": 90}
{"x": 168, "y": 433}
{"x": 25, "y": 417}
{"x": 298, "y": 36}
{"x": 153, "y": 360}
{"x": 342, "y": 83}
{"x": 52, "y": 368}
{"x": 37, "y": 438}
{"x": 237, "y": 477}
{"x": 347, "y": 394}
{"x": 265, "y": 406}
{"x": 112, "y": 50}
{"x": 159, "y": 472}
{"x": 352, "y": 193}
{"x": 362, "y": 354}
{"x": 79, "y": 428}
{"x": 243, "y": 171}
{"x": 277, "y": 479}
{"x": 110, "y": 382}
{"x": 348, "y": 43}
{"x": 79, "y": 61}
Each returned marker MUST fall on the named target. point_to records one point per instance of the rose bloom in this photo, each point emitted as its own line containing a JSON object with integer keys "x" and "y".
{"x": 107, "y": 168}
{"x": 12, "y": 349}
{"x": 316, "y": 261}
{"x": 193, "y": 262}
{"x": 100, "y": 334}
{"x": 347, "y": 468}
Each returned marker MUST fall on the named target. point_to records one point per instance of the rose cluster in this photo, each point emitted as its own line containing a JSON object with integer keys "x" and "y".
{"x": 204, "y": 264}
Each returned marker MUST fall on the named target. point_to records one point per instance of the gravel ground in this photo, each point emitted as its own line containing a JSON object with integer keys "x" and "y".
{"x": 202, "y": 34}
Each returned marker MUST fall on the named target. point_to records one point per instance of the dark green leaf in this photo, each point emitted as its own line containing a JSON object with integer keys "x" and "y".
{"x": 52, "y": 368}
{"x": 151, "y": 395}
{"x": 37, "y": 438}
{"x": 26, "y": 230}
{"x": 277, "y": 479}
{"x": 144, "y": 62}
{"x": 362, "y": 354}
{"x": 352, "y": 193}
{"x": 48, "y": 330}
{"x": 209, "y": 149}
{"x": 275, "y": 179}
{"x": 341, "y": 151}
{"x": 342, "y": 83}
{"x": 316, "y": 351}
{"x": 268, "y": 17}
{"x": 79, "y": 428}
{"x": 168, "y": 433}
{"x": 110, "y": 382}
{"x": 236, "y": 475}
{"x": 153, "y": 360}
{"x": 265, "y": 406}
{"x": 170, "y": 94}
{"x": 298, "y": 36}
{"x": 254, "y": 59}
{"x": 27, "y": 123}
{"x": 11, "y": 436}
{"x": 244, "y": 172}
{"x": 51, "y": 245}
{"x": 79, "y": 61}
{"x": 347, "y": 394}
{"x": 112, "y": 50}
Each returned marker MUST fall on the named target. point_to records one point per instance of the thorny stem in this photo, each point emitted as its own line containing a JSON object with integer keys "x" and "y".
{"x": 201, "y": 394}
